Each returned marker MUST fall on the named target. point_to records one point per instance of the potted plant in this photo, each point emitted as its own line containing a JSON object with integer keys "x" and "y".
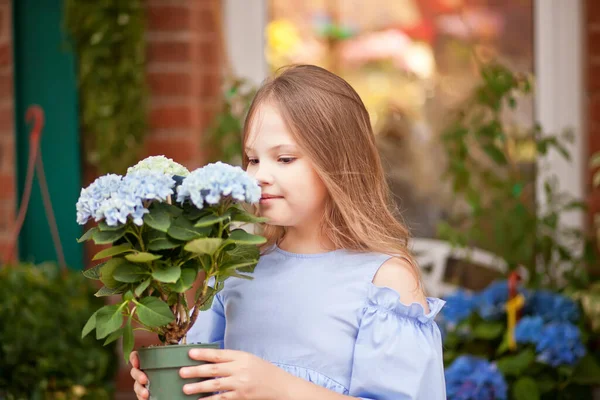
{"x": 166, "y": 228}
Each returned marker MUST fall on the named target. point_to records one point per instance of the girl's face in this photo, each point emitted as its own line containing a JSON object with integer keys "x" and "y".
{"x": 293, "y": 195}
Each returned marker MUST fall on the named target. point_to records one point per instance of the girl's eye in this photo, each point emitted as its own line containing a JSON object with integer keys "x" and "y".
{"x": 252, "y": 161}
{"x": 286, "y": 160}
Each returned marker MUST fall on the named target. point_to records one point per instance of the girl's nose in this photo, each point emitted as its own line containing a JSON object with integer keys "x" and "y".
{"x": 263, "y": 176}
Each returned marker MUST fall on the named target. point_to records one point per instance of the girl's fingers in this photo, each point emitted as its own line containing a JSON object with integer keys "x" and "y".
{"x": 210, "y": 385}
{"x": 138, "y": 376}
{"x": 207, "y": 370}
{"x": 214, "y": 355}
{"x": 223, "y": 396}
{"x": 134, "y": 360}
{"x": 140, "y": 391}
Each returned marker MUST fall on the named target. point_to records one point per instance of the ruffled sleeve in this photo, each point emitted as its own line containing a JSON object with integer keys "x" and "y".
{"x": 398, "y": 351}
{"x": 210, "y": 324}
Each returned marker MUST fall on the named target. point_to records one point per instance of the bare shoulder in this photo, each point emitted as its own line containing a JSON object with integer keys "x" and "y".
{"x": 396, "y": 273}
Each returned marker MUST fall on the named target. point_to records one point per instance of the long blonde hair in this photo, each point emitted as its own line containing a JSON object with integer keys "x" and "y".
{"x": 330, "y": 123}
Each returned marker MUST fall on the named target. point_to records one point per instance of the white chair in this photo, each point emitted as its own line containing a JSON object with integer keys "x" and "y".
{"x": 432, "y": 256}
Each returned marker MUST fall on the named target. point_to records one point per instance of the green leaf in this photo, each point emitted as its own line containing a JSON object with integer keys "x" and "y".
{"x": 113, "y": 336}
{"x": 142, "y": 257}
{"x": 130, "y": 273}
{"x": 240, "y": 236}
{"x": 113, "y": 251}
{"x": 103, "y": 226}
{"x": 158, "y": 218}
{"x": 517, "y": 364}
{"x": 108, "y": 320}
{"x": 206, "y": 301}
{"x": 236, "y": 265}
{"x": 161, "y": 241}
{"x": 108, "y": 237}
{"x": 183, "y": 229}
{"x": 185, "y": 281}
{"x": 488, "y": 330}
{"x": 495, "y": 154}
{"x": 168, "y": 273}
{"x": 88, "y": 235}
{"x": 240, "y": 215}
{"x": 204, "y": 245}
{"x": 105, "y": 291}
{"x": 210, "y": 220}
{"x": 89, "y": 326}
{"x": 587, "y": 371}
{"x": 526, "y": 389}
{"x": 107, "y": 271}
{"x": 93, "y": 272}
{"x": 128, "y": 339}
{"x": 153, "y": 312}
{"x": 142, "y": 286}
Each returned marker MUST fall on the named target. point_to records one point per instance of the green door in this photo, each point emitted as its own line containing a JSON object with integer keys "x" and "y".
{"x": 45, "y": 75}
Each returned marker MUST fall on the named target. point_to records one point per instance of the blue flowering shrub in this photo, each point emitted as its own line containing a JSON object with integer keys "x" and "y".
{"x": 553, "y": 355}
{"x": 165, "y": 227}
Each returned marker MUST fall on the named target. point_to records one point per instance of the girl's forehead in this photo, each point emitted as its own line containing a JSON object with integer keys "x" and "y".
{"x": 267, "y": 127}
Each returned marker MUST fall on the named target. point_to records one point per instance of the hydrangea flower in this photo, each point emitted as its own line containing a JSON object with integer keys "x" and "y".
{"x": 162, "y": 164}
{"x": 214, "y": 181}
{"x": 560, "y": 344}
{"x": 474, "y": 378}
{"x": 492, "y": 300}
{"x": 529, "y": 330}
{"x": 113, "y": 198}
{"x": 552, "y": 307}
{"x": 459, "y": 306}
{"x": 91, "y": 198}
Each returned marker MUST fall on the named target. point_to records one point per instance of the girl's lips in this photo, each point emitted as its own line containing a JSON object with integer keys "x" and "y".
{"x": 267, "y": 198}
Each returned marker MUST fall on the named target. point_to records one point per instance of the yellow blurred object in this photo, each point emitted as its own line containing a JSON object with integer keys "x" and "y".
{"x": 283, "y": 39}
{"x": 512, "y": 309}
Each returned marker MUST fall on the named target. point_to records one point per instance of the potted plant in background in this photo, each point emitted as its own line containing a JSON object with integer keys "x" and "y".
{"x": 537, "y": 340}
{"x": 166, "y": 228}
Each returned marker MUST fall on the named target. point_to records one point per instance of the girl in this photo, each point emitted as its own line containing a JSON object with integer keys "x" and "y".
{"x": 336, "y": 309}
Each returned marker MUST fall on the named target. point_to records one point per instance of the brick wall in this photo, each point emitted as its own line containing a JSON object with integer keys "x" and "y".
{"x": 7, "y": 128}
{"x": 592, "y": 94}
{"x": 184, "y": 75}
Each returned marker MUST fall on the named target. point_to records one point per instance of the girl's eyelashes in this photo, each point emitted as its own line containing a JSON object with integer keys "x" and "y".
{"x": 287, "y": 160}
{"x": 252, "y": 161}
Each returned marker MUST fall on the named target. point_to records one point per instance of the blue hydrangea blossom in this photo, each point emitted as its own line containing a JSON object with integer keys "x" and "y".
{"x": 529, "y": 329}
{"x": 212, "y": 182}
{"x": 551, "y": 306}
{"x": 92, "y": 197}
{"x": 474, "y": 378}
{"x": 560, "y": 344}
{"x": 161, "y": 164}
{"x": 459, "y": 305}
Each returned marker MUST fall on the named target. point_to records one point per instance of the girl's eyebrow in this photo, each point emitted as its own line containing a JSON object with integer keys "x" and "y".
{"x": 281, "y": 147}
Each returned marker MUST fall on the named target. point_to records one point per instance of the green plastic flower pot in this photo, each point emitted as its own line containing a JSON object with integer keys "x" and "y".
{"x": 162, "y": 363}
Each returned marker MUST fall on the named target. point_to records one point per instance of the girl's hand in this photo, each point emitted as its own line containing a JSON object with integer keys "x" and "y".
{"x": 238, "y": 375}
{"x": 139, "y": 377}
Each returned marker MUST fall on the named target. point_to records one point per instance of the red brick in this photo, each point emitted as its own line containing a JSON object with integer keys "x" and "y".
{"x": 170, "y": 84}
{"x": 6, "y": 119}
{"x": 206, "y": 19}
{"x": 592, "y": 11}
{"x": 180, "y": 150}
{"x": 168, "y": 18}
{"x": 175, "y": 51}
{"x": 7, "y": 215}
{"x": 210, "y": 85}
{"x": 165, "y": 117}
{"x": 209, "y": 53}
{"x": 7, "y": 187}
{"x": 5, "y": 55}
{"x": 6, "y": 86}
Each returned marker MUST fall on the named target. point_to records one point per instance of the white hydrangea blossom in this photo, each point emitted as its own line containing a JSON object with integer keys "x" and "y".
{"x": 162, "y": 164}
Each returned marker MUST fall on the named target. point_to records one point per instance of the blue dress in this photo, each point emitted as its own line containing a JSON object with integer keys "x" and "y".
{"x": 320, "y": 317}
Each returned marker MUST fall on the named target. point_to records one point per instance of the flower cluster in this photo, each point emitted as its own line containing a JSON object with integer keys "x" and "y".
{"x": 92, "y": 197}
{"x": 162, "y": 164}
{"x": 473, "y": 378}
{"x": 113, "y": 198}
{"x": 552, "y": 307}
{"x": 556, "y": 343}
{"x": 214, "y": 181}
